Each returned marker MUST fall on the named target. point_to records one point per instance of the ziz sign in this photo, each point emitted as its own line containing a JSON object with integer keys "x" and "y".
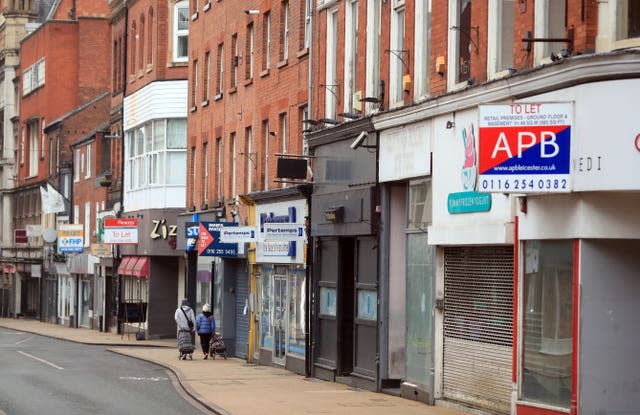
{"x": 525, "y": 148}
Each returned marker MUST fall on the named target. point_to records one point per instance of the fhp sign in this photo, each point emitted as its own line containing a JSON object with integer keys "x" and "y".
{"x": 70, "y": 239}
{"x": 525, "y": 148}
{"x": 120, "y": 230}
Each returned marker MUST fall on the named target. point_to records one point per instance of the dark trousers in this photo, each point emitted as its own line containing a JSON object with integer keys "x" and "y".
{"x": 205, "y": 338}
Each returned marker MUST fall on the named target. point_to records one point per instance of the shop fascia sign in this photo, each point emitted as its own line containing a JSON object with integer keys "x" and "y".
{"x": 525, "y": 147}
{"x": 120, "y": 231}
{"x": 279, "y": 234}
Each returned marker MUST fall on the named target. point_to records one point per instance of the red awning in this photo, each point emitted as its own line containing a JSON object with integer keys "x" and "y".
{"x": 126, "y": 265}
{"x": 141, "y": 267}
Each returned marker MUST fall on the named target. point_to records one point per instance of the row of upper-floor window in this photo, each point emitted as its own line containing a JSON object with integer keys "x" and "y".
{"x": 208, "y": 76}
{"x": 241, "y": 163}
{"x": 133, "y": 53}
{"x": 410, "y": 71}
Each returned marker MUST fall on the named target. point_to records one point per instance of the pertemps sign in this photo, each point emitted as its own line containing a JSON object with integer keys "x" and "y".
{"x": 525, "y": 148}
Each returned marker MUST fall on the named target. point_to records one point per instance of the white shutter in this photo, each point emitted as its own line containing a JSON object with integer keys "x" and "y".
{"x": 478, "y": 326}
{"x": 26, "y": 82}
{"x": 40, "y": 72}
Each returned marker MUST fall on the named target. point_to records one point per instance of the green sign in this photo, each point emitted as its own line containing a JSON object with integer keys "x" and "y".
{"x": 468, "y": 202}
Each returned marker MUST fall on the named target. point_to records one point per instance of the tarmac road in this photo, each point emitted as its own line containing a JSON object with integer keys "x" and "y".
{"x": 42, "y": 375}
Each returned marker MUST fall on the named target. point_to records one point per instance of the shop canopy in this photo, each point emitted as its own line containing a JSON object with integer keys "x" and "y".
{"x": 137, "y": 266}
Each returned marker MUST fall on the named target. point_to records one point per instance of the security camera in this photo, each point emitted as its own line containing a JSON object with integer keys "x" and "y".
{"x": 358, "y": 141}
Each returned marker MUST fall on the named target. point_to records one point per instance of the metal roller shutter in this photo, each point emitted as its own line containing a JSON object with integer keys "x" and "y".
{"x": 242, "y": 319}
{"x": 478, "y": 326}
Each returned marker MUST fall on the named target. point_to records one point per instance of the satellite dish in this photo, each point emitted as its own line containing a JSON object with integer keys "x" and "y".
{"x": 49, "y": 235}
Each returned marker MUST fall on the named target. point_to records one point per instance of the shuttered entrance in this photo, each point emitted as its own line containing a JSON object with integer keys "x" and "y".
{"x": 478, "y": 326}
{"x": 242, "y": 320}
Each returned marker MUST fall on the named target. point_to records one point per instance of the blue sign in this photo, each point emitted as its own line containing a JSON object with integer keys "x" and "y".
{"x": 191, "y": 233}
{"x": 209, "y": 240}
{"x": 468, "y": 202}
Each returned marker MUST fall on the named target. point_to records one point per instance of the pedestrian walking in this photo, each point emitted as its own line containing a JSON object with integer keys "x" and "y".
{"x": 185, "y": 319}
{"x": 206, "y": 327}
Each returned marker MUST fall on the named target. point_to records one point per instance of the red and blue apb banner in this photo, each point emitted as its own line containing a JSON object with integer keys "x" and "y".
{"x": 525, "y": 147}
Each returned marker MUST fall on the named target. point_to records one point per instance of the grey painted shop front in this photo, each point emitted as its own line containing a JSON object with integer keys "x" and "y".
{"x": 345, "y": 275}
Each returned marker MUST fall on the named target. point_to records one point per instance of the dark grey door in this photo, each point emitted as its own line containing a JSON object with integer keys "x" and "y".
{"x": 366, "y": 307}
{"x": 327, "y": 273}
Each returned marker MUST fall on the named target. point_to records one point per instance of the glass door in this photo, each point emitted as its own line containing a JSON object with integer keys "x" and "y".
{"x": 280, "y": 318}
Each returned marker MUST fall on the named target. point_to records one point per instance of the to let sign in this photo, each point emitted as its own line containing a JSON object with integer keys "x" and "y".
{"x": 120, "y": 231}
{"x": 525, "y": 147}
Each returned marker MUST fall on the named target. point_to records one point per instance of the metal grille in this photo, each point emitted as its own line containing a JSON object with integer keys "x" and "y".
{"x": 242, "y": 320}
{"x": 478, "y": 326}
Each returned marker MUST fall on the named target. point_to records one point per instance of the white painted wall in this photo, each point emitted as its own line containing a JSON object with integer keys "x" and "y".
{"x": 492, "y": 227}
{"x": 405, "y": 152}
{"x": 166, "y": 99}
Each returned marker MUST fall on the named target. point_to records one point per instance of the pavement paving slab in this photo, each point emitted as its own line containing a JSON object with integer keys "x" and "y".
{"x": 234, "y": 387}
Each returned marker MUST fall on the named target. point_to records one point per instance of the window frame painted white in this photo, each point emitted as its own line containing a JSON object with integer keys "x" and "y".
{"x": 87, "y": 224}
{"x": 205, "y": 150}
{"x": 34, "y": 139}
{"x": 179, "y": 33}
{"x": 249, "y": 133}
{"x": 497, "y": 41}
{"x": 350, "y": 53}
{"x": 87, "y": 173}
{"x": 265, "y": 126}
{"x": 541, "y": 29}
{"x": 396, "y": 55}
{"x": 422, "y": 54}
{"x": 331, "y": 64}
{"x": 453, "y": 46}
{"x": 234, "y": 158}
{"x": 285, "y": 30}
{"x": 608, "y": 27}
{"x": 372, "y": 78}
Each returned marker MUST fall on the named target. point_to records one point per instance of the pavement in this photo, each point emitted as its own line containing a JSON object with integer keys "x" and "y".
{"x": 234, "y": 387}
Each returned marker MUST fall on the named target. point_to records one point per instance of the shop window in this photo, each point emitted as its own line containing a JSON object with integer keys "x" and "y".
{"x": 297, "y": 308}
{"x": 328, "y": 301}
{"x": 547, "y": 322}
{"x": 266, "y": 335}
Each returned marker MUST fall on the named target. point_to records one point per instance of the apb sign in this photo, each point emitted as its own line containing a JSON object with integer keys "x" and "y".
{"x": 525, "y": 148}
{"x": 209, "y": 240}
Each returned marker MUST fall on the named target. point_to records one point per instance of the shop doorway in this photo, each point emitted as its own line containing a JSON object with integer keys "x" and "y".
{"x": 280, "y": 317}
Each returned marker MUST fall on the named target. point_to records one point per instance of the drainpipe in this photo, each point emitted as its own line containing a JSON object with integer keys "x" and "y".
{"x": 309, "y": 338}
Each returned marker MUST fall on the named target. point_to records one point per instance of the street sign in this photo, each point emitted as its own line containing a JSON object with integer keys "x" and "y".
{"x": 120, "y": 230}
{"x": 70, "y": 238}
{"x": 209, "y": 240}
{"x": 525, "y": 148}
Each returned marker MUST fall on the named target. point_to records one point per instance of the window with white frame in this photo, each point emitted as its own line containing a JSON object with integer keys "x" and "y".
{"x": 194, "y": 173}
{"x": 266, "y": 41}
{"x": 206, "y": 172}
{"x": 550, "y": 22}
{"x": 627, "y": 20}
{"x": 249, "y": 51}
{"x": 87, "y": 172}
{"x": 265, "y": 135}
{"x": 351, "y": 56}
{"x": 397, "y": 55}
{"x": 220, "y": 80}
{"x": 234, "y": 61}
{"x": 283, "y": 136}
{"x": 87, "y": 223}
{"x": 422, "y": 52}
{"x": 372, "y": 86}
{"x": 23, "y": 143}
{"x": 76, "y": 165}
{"x": 194, "y": 83}
{"x": 206, "y": 73}
{"x": 501, "y": 36}
{"x": 33, "y": 77}
{"x": 284, "y": 34}
{"x": 232, "y": 146}
{"x": 331, "y": 72}
{"x": 307, "y": 23}
{"x": 460, "y": 43}
{"x": 34, "y": 138}
{"x": 152, "y": 150}
{"x": 304, "y": 115}
{"x": 248, "y": 156}
{"x": 43, "y": 137}
{"x": 219, "y": 168}
{"x": 76, "y": 214}
{"x": 181, "y": 31}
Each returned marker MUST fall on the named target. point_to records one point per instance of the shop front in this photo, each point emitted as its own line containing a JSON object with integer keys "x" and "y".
{"x": 280, "y": 280}
{"x": 407, "y": 261}
{"x": 344, "y": 226}
{"x": 473, "y": 234}
{"x": 578, "y": 265}
{"x": 149, "y": 274}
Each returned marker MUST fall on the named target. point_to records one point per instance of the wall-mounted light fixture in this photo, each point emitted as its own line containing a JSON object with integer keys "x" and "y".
{"x": 252, "y": 11}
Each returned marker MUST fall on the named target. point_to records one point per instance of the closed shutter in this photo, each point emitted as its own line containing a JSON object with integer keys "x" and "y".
{"x": 242, "y": 318}
{"x": 478, "y": 326}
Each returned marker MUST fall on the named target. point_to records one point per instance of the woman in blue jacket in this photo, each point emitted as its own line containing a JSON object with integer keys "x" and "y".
{"x": 206, "y": 326}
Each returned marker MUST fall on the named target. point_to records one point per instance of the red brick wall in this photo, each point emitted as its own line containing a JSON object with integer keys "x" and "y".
{"x": 282, "y": 90}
